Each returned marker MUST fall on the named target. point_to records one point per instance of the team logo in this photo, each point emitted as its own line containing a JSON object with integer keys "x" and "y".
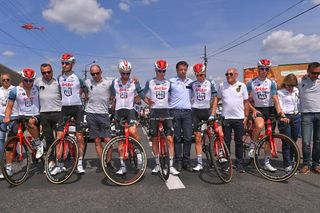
{"x": 28, "y": 103}
{"x": 201, "y": 96}
{"x": 160, "y": 95}
{"x": 123, "y": 95}
{"x": 262, "y": 95}
{"x": 239, "y": 88}
{"x": 67, "y": 91}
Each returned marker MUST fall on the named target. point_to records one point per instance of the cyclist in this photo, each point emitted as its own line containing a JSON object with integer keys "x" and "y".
{"x": 203, "y": 100}
{"x": 263, "y": 92}
{"x": 72, "y": 88}
{"x": 158, "y": 90}
{"x": 26, "y": 96}
{"x": 123, "y": 91}
{"x": 4, "y": 92}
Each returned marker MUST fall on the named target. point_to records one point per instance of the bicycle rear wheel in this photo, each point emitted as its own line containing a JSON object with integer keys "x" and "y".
{"x": 221, "y": 159}
{"x": 164, "y": 158}
{"x": 15, "y": 162}
{"x": 135, "y": 163}
{"x": 65, "y": 164}
{"x": 286, "y": 165}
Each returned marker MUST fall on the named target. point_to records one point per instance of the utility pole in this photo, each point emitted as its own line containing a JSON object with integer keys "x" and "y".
{"x": 205, "y": 56}
{"x": 86, "y": 69}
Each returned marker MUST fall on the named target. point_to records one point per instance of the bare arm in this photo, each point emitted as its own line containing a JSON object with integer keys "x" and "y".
{"x": 8, "y": 111}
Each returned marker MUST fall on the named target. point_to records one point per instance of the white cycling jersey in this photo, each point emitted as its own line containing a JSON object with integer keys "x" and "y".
{"x": 71, "y": 86}
{"x": 262, "y": 91}
{"x": 202, "y": 94}
{"x": 125, "y": 93}
{"x": 158, "y": 91}
{"x": 27, "y": 105}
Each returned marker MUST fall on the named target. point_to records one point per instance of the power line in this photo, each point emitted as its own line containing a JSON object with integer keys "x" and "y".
{"x": 282, "y": 23}
{"x": 257, "y": 27}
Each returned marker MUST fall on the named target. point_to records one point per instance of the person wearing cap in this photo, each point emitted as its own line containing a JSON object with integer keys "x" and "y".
{"x": 203, "y": 97}
{"x": 72, "y": 87}
{"x": 26, "y": 96}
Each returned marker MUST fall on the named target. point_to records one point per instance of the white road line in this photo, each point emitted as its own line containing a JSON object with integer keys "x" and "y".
{"x": 174, "y": 182}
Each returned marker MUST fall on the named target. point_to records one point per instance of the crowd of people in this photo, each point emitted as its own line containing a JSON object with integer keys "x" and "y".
{"x": 47, "y": 101}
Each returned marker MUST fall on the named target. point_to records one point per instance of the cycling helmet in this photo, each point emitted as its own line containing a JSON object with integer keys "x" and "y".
{"x": 161, "y": 64}
{"x": 264, "y": 63}
{"x": 67, "y": 57}
{"x": 125, "y": 66}
{"x": 199, "y": 68}
{"x": 28, "y": 73}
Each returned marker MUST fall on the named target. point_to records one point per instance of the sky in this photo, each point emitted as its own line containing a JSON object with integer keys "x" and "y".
{"x": 143, "y": 31}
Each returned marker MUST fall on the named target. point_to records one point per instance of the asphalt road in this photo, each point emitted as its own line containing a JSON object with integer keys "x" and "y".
{"x": 191, "y": 192}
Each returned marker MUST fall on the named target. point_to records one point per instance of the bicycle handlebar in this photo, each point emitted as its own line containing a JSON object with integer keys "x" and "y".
{"x": 161, "y": 119}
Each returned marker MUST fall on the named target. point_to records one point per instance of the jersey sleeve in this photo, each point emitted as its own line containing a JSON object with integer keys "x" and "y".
{"x": 112, "y": 90}
{"x": 249, "y": 86}
{"x": 213, "y": 89}
{"x": 13, "y": 94}
{"x": 139, "y": 90}
{"x": 273, "y": 90}
{"x": 146, "y": 88}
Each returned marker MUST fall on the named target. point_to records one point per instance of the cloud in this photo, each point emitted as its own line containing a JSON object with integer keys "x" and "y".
{"x": 8, "y": 53}
{"x": 316, "y": 1}
{"x": 80, "y": 16}
{"x": 147, "y": 2}
{"x": 285, "y": 42}
{"x": 124, "y": 6}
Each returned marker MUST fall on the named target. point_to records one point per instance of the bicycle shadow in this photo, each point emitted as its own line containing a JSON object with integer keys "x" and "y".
{"x": 209, "y": 175}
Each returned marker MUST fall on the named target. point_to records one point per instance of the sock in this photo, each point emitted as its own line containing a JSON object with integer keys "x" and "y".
{"x": 122, "y": 163}
{"x": 266, "y": 159}
{"x": 171, "y": 161}
{"x": 199, "y": 159}
{"x": 156, "y": 158}
{"x": 252, "y": 144}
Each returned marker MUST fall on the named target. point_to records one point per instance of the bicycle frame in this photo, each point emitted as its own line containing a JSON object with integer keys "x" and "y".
{"x": 273, "y": 148}
{"x": 22, "y": 139}
{"x": 127, "y": 146}
{"x": 62, "y": 145}
{"x": 161, "y": 140}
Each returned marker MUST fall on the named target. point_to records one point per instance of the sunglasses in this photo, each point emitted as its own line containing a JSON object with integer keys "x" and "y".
{"x": 65, "y": 63}
{"x": 161, "y": 71}
{"x": 228, "y": 74}
{"x": 28, "y": 80}
{"x": 200, "y": 75}
{"x": 125, "y": 73}
{"x": 291, "y": 85}
{"x": 46, "y": 73}
{"x": 95, "y": 74}
{"x": 315, "y": 73}
{"x": 5, "y": 79}
{"x": 264, "y": 69}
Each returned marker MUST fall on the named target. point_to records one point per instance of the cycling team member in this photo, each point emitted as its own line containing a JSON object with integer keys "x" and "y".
{"x": 4, "y": 93}
{"x": 99, "y": 90}
{"x": 26, "y": 96}
{"x": 263, "y": 91}
{"x": 158, "y": 90}
{"x": 50, "y": 109}
{"x": 234, "y": 96}
{"x": 204, "y": 95}
{"x": 289, "y": 125}
{"x": 123, "y": 90}
{"x": 72, "y": 87}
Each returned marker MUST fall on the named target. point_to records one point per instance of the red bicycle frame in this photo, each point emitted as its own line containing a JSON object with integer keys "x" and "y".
{"x": 22, "y": 139}
{"x": 63, "y": 145}
{"x": 161, "y": 139}
{"x": 126, "y": 145}
{"x": 273, "y": 147}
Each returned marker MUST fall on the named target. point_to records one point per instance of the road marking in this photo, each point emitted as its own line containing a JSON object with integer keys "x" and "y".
{"x": 174, "y": 182}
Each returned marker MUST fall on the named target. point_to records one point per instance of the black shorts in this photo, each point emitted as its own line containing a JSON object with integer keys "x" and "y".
{"x": 128, "y": 115}
{"x": 199, "y": 115}
{"x": 52, "y": 117}
{"x": 266, "y": 112}
{"x": 99, "y": 125}
{"x": 76, "y": 112}
{"x": 167, "y": 124}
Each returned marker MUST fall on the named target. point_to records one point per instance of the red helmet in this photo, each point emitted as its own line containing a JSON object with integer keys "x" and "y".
{"x": 199, "y": 68}
{"x": 67, "y": 57}
{"x": 264, "y": 63}
{"x": 28, "y": 73}
{"x": 161, "y": 64}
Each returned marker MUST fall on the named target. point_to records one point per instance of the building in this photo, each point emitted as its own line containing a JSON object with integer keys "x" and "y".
{"x": 15, "y": 77}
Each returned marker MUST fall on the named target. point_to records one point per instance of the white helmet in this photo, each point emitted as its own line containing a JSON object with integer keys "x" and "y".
{"x": 125, "y": 66}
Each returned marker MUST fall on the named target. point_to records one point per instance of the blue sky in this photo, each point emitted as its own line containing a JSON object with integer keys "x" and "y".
{"x": 144, "y": 30}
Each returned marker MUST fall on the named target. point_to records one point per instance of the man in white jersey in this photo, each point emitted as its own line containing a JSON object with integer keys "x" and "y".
{"x": 99, "y": 90}
{"x": 72, "y": 88}
{"x": 4, "y": 93}
{"x": 263, "y": 92}
{"x": 26, "y": 96}
{"x": 203, "y": 97}
{"x": 123, "y": 90}
{"x": 158, "y": 90}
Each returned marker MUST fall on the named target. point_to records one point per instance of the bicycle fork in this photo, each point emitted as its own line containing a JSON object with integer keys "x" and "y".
{"x": 273, "y": 147}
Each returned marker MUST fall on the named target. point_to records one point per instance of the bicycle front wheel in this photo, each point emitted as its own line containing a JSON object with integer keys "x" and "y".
{"x": 120, "y": 168}
{"x": 61, "y": 160}
{"x": 221, "y": 159}
{"x": 16, "y": 162}
{"x": 281, "y": 164}
{"x": 164, "y": 158}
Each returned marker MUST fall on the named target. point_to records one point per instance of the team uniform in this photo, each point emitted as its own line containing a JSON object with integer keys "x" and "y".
{"x": 158, "y": 91}
{"x": 124, "y": 95}
{"x": 262, "y": 92}
{"x": 201, "y": 96}
{"x": 71, "y": 87}
{"x": 97, "y": 108}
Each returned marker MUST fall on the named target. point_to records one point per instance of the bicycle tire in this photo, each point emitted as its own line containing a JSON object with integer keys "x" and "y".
{"x": 164, "y": 160}
{"x": 280, "y": 174}
{"x": 134, "y": 174}
{"x": 67, "y": 165}
{"x": 205, "y": 148}
{"x": 223, "y": 168}
{"x": 18, "y": 177}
